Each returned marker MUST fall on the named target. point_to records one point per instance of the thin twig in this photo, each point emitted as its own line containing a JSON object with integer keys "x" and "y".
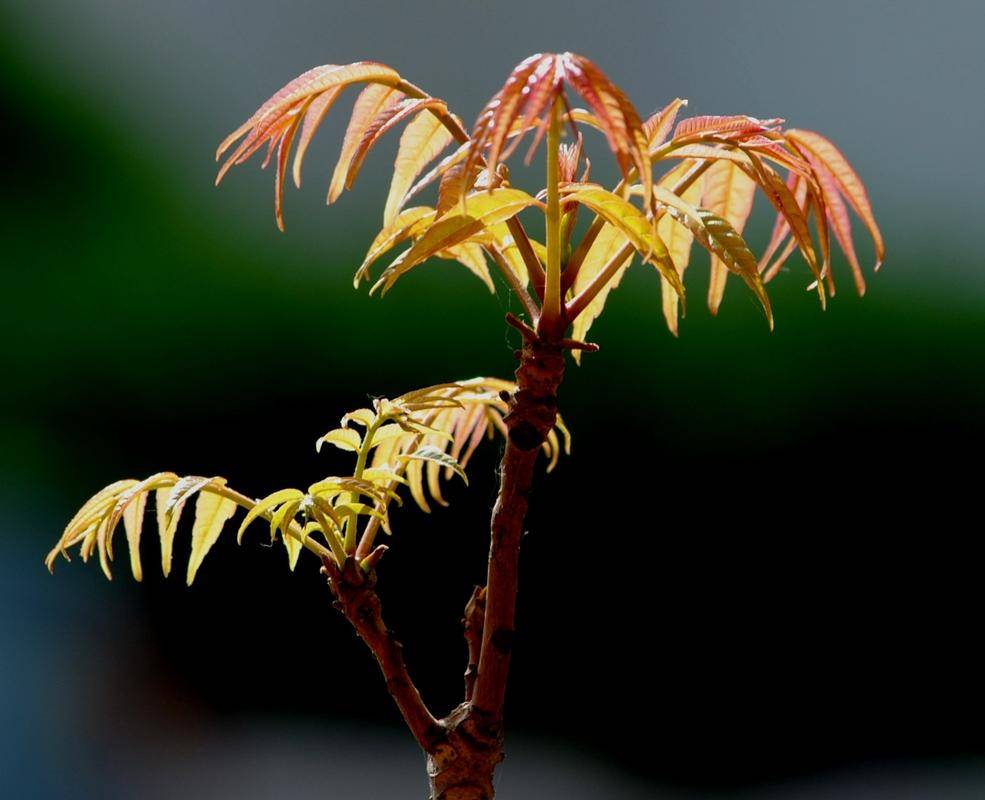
{"x": 529, "y": 307}
{"x": 535, "y": 271}
{"x": 356, "y": 598}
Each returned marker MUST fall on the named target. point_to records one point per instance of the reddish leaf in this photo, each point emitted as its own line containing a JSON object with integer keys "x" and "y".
{"x": 373, "y": 100}
{"x": 736, "y": 124}
{"x": 848, "y": 181}
{"x": 313, "y": 117}
{"x": 658, "y": 127}
{"x": 385, "y": 121}
{"x": 305, "y": 86}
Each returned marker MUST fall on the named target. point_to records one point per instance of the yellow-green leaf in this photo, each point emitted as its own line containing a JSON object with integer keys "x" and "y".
{"x": 169, "y": 512}
{"x": 720, "y": 239}
{"x": 481, "y": 210}
{"x": 263, "y": 507}
{"x": 133, "y": 523}
{"x": 342, "y": 438}
{"x": 639, "y": 231}
{"x": 440, "y": 457}
{"x": 165, "y": 530}
{"x": 361, "y": 416}
{"x": 211, "y": 513}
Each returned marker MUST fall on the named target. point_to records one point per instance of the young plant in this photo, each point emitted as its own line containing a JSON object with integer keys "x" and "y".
{"x": 685, "y": 181}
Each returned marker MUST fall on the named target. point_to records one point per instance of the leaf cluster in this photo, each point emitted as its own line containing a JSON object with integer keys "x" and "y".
{"x": 684, "y": 181}
{"x": 410, "y": 444}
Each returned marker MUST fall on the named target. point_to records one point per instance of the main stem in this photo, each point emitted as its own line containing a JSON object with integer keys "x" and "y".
{"x": 461, "y": 767}
{"x": 464, "y": 748}
{"x": 551, "y": 314}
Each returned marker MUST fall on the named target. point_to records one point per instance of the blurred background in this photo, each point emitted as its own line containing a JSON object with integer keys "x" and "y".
{"x": 757, "y": 576}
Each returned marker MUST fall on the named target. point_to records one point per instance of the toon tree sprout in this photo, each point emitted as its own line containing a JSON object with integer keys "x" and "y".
{"x": 683, "y": 181}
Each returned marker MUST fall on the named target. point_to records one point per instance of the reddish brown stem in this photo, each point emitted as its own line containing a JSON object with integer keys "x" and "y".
{"x": 533, "y": 412}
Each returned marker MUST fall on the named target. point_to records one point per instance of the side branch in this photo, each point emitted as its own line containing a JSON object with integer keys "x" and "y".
{"x": 475, "y": 611}
{"x": 356, "y": 597}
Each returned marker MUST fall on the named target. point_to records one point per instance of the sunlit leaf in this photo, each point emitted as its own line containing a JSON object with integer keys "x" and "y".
{"x": 409, "y": 224}
{"x": 639, "y": 231}
{"x": 728, "y": 193}
{"x": 385, "y": 121}
{"x": 372, "y": 100}
{"x": 720, "y": 239}
{"x": 269, "y": 118}
{"x": 212, "y": 512}
{"x": 735, "y": 124}
{"x": 481, "y": 209}
{"x": 848, "y": 181}
{"x": 783, "y": 200}
{"x": 678, "y": 239}
{"x": 440, "y": 457}
{"x": 658, "y": 127}
{"x": 263, "y": 508}
{"x": 313, "y": 118}
{"x": 531, "y": 91}
{"x": 610, "y": 240}
{"x": 421, "y": 142}
{"x": 342, "y": 438}
{"x": 361, "y": 416}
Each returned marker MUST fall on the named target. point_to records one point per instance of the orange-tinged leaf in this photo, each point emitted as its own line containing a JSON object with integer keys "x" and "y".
{"x": 455, "y": 184}
{"x": 732, "y": 125}
{"x": 543, "y": 86}
{"x": 620, "y": 120}
{"x": 421, "y": 142}
{"x": 780, "y": 196}
{"x": 533, "y": 88}
{"x": 707, "y": 152}
{"x": 781, "y": 231}
{"x": 313, "y": 117}
{"x": 678, "y": 239}
{"x": 313, "y": 82}
{"x": 372, "y": 100}
{"x": 729, "y": 194}
{"x": 610, "y": 240}
{"x": 639, "y": 231}
{"x": 283, "y": 153}
{"x": 499, "y": 115}
{"x": 409, "y": 223}
{"x": 384, "y": 122}
{"x": 658, "y": 127}
{"x": 847, "y": 179}
{"x": 837, "y": 215}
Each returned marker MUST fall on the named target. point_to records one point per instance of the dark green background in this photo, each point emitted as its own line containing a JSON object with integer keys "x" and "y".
{"x": 762, "y": 555}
